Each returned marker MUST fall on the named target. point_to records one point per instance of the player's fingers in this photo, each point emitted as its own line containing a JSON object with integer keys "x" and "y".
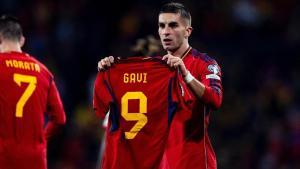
{"x": 111, "y": 59}
{"x": 172, "y": 64}
{"x": 173, "y": 60}
{"x": 165, "y": 57}
{"x": 101, "y": 65}
{"x": 169, "y": 61}
{"x": 108, "y": 64}
{"x": 176, "y": 64}
{"x": 106, "y": 61}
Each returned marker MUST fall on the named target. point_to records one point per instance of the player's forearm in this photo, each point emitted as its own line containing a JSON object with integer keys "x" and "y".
{"x": 213, "y": 96}
{"x": 207, "y": 94}
{"x": 197, "y": 87}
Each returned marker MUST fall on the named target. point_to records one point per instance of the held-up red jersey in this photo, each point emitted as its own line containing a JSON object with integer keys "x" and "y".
{"x": 189, "y": 145}
{"x": 142, "y": 95}
{"x": 27, "y": 94}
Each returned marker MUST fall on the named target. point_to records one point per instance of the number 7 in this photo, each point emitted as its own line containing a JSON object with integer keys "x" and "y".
{"x": 18, "y": 78}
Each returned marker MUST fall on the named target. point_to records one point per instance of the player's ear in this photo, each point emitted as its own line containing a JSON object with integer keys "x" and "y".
{"x": 22, "y": 41}
{"x": 188, "y": 31}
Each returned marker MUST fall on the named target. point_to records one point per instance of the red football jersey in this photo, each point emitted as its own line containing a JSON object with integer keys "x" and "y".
{"x": 188, "y": 143}
{"x": 142, "y": 95}
{"x": 27, "y": 94}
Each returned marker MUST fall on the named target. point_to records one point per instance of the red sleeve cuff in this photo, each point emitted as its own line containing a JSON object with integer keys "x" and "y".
{"x": 211, "y": 98}
{"x": 206, "y": 95}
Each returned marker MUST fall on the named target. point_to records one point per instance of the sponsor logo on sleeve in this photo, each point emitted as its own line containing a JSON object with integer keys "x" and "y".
{"x": 213, "y": 76}
{"x": 213, "y": 68}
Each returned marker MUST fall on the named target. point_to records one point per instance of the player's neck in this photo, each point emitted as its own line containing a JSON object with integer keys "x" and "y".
{"x": 181, "y": 52}
{"x": 11, "y": 47}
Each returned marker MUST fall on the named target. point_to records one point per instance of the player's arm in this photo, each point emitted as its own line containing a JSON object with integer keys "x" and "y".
{"x": 207, "y": 89}
{"x": 196, "y": 86}
{"x": 105, "y": 63}
{"x": 55, "y": 111}
{"x": 211, "y": 79}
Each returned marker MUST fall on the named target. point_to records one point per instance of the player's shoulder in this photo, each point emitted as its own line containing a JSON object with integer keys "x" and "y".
{"x": 202, "y": 57}
{"x": 206, "y": 62}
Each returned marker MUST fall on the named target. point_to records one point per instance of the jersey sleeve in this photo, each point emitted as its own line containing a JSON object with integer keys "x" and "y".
{"x": 55, "y": 111}
{"x": 102, "y": 97}
{"x": 211, "y": 78}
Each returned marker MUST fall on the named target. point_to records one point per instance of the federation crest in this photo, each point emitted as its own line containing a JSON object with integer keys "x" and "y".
{"x": 213, "y": 68}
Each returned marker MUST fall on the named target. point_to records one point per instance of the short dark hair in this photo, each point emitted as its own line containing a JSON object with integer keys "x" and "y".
{"x": 10, "y": 28}
{"x": 178, "y": 8}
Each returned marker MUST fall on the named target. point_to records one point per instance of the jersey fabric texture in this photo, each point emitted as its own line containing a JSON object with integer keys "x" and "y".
{"x": 189, "y": 145}
{"x": 27, "y": 94}
{"x": 143, "y": 95}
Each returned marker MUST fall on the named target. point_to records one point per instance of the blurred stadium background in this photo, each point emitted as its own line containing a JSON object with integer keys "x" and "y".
{"x": 256, "y": 42}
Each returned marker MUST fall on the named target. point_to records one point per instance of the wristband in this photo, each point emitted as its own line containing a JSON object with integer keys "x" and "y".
{"x": 189, "y": 77}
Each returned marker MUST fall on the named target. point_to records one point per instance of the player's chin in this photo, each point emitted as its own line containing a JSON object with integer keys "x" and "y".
{"x": 168, "y": 47}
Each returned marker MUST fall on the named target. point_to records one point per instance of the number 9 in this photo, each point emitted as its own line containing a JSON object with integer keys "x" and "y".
{"x": 132, "y": 116}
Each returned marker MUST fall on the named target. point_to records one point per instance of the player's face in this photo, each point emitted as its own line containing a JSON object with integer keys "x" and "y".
{"x": 173, "y": 31}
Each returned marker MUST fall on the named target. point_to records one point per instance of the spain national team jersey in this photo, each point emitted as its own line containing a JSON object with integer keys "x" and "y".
{"x": 27, "y": 94}
{"x": 143, "y": 95}
{"x": 189, "y": 145}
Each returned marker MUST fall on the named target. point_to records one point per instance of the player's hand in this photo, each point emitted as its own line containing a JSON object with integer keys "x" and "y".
{"x": 175, "y": 62}
{"x": 105, "y": 63}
